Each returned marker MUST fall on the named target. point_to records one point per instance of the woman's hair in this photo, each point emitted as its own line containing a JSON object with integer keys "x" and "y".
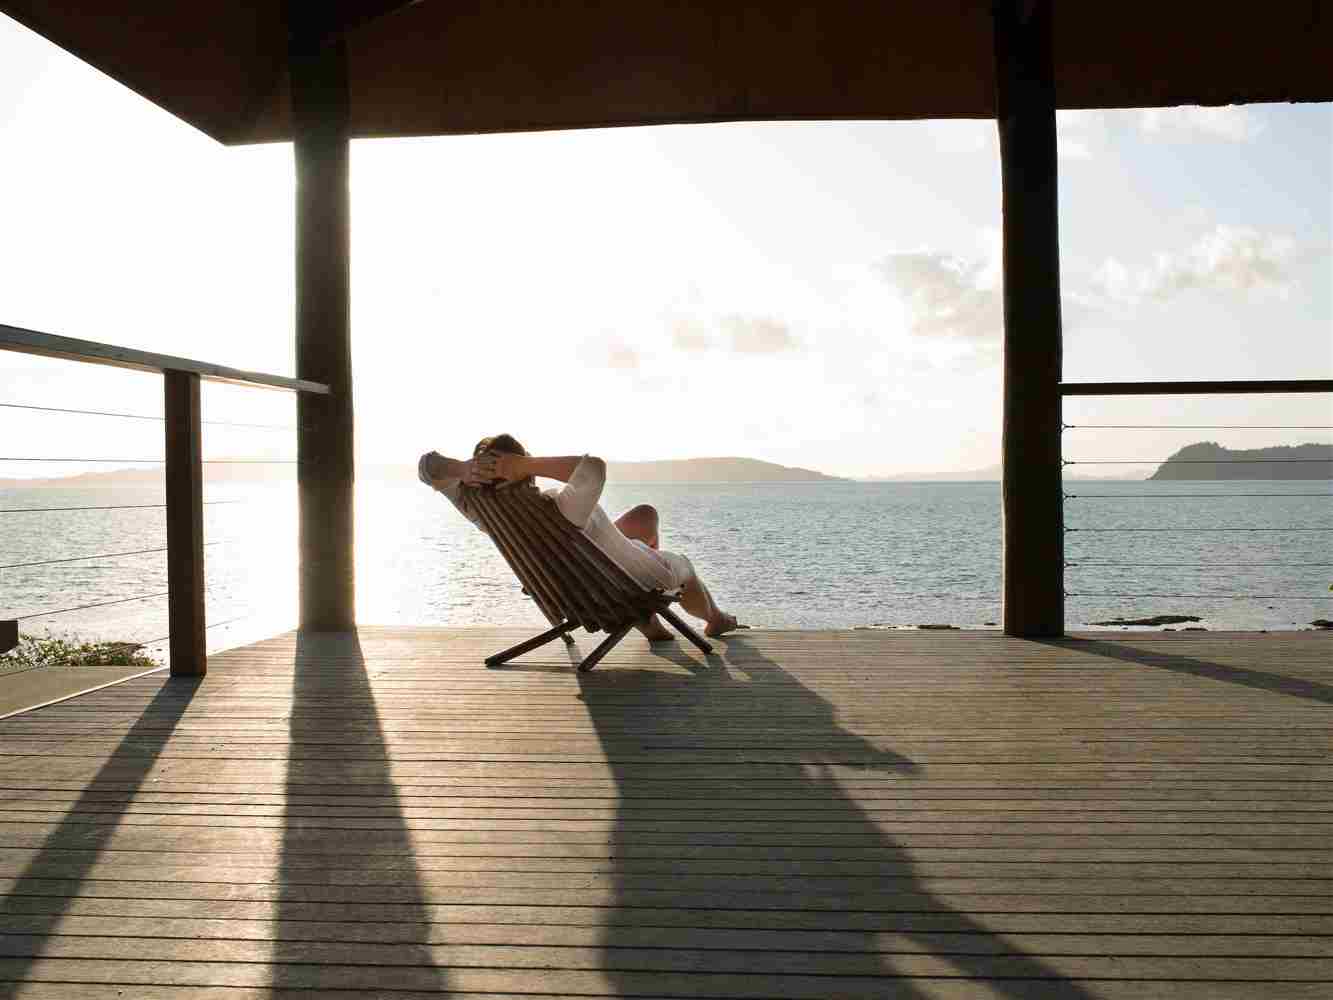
{"x": 505, "y": 443}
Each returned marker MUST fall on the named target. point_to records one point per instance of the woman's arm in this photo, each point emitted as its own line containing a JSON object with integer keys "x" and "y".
{"x": 499, "y": 465}
{"x": 583, "y": 476}
{"x": 439, "y": 470}
{"x": 447, "y": 476}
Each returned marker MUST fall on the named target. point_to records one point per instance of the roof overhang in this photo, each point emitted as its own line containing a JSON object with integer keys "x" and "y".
{"x": 438, "y": 67}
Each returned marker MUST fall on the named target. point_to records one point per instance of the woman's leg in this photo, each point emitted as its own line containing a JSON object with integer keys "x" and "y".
{"x": 641, "y": 523}
{"x": 696, "y": 599}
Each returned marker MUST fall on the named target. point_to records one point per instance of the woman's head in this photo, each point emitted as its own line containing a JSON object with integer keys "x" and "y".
{"x": 505, "y": 443}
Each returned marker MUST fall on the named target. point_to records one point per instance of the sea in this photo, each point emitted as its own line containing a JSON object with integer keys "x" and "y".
{"x": 88, "y": 563}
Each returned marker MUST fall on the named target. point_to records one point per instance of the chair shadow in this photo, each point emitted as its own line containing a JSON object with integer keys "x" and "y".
{"x": 52, "y": 881}
{"x": 346, "y": 863}
{"x": 1259, "y": 680}
{"x": 739, "y": 735}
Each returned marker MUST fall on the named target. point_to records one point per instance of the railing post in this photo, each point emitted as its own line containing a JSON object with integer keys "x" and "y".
{"x": 323, "y": 329}
{"x": 1032, "y": 491}
{"x": 185, "y": 524}
{"x": 9, "y": 635}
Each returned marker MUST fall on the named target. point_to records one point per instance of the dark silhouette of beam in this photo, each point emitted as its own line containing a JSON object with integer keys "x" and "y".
{"x": 323, "y": 335}
{"x": 1032, "y": 501}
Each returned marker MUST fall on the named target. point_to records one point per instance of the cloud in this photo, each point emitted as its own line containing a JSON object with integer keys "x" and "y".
{"x": 947, "y": 296}
{"x": 610, "y": 352}
{"x": 690, "y": 336}
{"x": 957, "y": 135}
{"x": 1232, "y": 122}
{"x": 737, "y": 332}
{"x": 1077, "y": 132}
{"x": 1229, "y": 258}
{"x": 757, "y": 335}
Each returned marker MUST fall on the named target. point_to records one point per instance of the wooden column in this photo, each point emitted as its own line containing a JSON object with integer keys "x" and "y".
{"x": 1032, "y": 500}
{"x": 185, "y": 524}
{"x": 323, "y": 330}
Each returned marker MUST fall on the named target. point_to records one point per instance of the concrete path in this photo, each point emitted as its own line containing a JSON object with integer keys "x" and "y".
{"x": 22, "y": 690}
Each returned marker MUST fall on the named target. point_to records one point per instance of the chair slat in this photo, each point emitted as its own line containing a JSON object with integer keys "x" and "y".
{"x": 572, "y": 594}
{"x": 625, "y": 588}
{"x": 533, "y": 578}
{"x": 565, "y": 554}
{"x": 570, "y": 547}
{"x": 563, "y": 570}
{"x": 536, "y": 587}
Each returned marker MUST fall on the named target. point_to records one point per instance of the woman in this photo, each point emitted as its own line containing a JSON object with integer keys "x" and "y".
{"x": 631, "y": 540}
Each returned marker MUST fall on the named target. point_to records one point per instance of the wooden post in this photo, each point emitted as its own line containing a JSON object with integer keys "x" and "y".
{"x": 9, "y": 634}
{"x": 185, "y": 524}
{"x": 1032, "y": 492}
{"x": 323, "y": 328}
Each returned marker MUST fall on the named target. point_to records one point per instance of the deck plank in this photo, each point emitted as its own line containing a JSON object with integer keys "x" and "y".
{"x": 807, "y": 814}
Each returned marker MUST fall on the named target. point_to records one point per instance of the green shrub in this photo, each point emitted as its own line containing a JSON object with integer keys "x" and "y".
{"x": 49, "y": 651}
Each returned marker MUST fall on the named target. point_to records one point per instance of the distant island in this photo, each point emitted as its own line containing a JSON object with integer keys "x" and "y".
{"x": 687, "y": 470}
{"x": 713, "y": 470}
{"x": 990, "y": 474}
{"x": 1210, "y": 460}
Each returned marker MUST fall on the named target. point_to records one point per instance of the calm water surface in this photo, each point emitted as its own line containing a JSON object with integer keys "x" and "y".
{"x": 783, "y": 555}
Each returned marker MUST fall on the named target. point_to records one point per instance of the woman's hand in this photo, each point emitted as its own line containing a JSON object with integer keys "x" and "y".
{"x": 499, "y": 465}
{"x": 433, "y": 466}
{"x": 436, "y": 468}
{"x": 472, "y": 474}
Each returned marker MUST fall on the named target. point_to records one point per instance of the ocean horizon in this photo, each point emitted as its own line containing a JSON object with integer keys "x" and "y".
{"x": 807, "y": 555}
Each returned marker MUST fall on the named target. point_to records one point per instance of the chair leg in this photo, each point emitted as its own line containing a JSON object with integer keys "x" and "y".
{"x": 593, "y": 658}
{"x": 685, "y": 630}
{"x": 539, "y": 640}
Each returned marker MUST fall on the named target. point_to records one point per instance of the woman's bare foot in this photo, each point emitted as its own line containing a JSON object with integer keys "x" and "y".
{"x": 722, "y": 624}
{"x": 656, "y": 631}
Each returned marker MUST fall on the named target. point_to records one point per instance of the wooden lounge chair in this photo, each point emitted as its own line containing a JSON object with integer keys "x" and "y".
{"x": 572, "y": 581}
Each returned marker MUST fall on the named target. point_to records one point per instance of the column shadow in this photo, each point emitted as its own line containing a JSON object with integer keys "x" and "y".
{"x": 334, "y": 869}
{"x": 711, "y": 869}
{"x": 1260, "y": 680}
{"x": 52, "y": 880}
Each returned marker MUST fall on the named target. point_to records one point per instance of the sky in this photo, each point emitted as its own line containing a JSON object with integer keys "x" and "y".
{"x": 825, "y": 295}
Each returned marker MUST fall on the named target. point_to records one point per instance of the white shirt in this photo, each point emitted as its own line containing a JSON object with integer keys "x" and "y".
{"x": 578, "y": 500}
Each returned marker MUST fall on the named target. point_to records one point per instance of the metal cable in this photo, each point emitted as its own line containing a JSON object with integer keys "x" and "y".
{"x": 1210, "y": 565}
{"x": 1194, "y": 496}
{"x": 105, "y": 555}
{"x": 141, "y": 416}
{"x": 1197, "y": 461}
{"x": 1197, "y": 427}
{"x": 229, "y": 621}
{"x": 129, "y": 506}
{"x": 1226, "y": 597}
{"x": 1067, "y": 528}
{"x": 85, "y": 607}
{"x": 161, "y": 461}
{"x": 945, "y": 597}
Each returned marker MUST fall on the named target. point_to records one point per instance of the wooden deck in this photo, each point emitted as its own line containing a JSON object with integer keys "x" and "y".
{"x": 805, "y": 815}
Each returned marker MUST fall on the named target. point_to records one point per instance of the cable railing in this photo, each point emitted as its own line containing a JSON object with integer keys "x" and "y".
{"x": 1118, "y": 569}
{"x": 185, "y": 591}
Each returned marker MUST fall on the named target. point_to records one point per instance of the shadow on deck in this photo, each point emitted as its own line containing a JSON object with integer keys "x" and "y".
{"x": 823, "y": 814}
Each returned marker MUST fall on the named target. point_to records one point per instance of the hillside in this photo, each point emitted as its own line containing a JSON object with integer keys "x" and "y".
{"x": 713, "y": 470}
{"x": 992, "y": 473}
{"x": 689, "y": 470}
{"x": 1210, "y": 460}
